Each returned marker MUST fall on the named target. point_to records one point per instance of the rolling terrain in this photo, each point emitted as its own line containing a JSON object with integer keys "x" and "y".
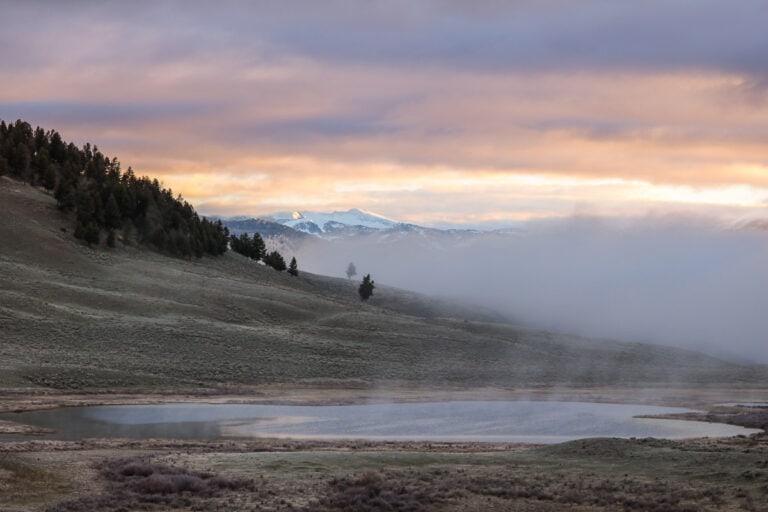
{"x": 79, "y": 318}
{"x": 83, "y": 325}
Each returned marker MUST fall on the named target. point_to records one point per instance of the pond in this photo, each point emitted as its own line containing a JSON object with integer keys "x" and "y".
{"x": 484, "y": 421}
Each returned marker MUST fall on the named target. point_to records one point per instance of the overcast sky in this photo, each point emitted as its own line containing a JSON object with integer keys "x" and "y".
{"x": 479, "y": 113}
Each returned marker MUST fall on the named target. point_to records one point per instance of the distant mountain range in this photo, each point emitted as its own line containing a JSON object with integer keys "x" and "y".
{"x": 338, "y": 223}
{"x": 266, "y": 228}
{"x": 319, "y": 239}
{"x": 353, "y": 223}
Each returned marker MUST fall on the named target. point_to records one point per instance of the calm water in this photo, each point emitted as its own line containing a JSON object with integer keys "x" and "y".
{"x": 517, "y": 421}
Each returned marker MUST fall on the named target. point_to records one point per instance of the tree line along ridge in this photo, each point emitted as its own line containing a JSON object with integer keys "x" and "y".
{"x": 253, "y": 247}
{"x": 107, "y": 203}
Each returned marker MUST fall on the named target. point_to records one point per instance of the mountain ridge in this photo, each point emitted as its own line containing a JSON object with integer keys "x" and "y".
{"x": 337, "y": 224}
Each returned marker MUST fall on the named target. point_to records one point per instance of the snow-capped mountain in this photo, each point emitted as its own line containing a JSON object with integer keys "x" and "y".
{"x": 298, "y": 226}
{"x": 336, "y": 224}
{"x": 317, "y": 238}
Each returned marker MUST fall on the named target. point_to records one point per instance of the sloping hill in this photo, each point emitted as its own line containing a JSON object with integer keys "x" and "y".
{"x": 72, "y": 317}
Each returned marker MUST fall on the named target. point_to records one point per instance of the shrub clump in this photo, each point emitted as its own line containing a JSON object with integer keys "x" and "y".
{"x": 137, "y": 483}
{"x": 372, "y": 492}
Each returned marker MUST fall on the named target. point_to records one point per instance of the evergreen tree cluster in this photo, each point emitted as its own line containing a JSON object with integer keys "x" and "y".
{"x": 251, "y": 247}
{"x": 275, "y": 260}
{"x": 104, "y": 199}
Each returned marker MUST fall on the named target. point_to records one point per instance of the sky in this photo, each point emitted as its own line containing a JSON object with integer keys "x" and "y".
{"x": 481, "y": 113}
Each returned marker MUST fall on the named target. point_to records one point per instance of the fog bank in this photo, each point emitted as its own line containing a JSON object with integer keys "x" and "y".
{"x": 676, "y": 281}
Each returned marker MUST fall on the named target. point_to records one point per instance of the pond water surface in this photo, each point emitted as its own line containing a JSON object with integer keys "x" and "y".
{"x": 490, "y": 421}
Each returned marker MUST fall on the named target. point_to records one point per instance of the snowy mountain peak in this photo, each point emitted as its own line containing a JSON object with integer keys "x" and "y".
{"x": 336, "y": 223}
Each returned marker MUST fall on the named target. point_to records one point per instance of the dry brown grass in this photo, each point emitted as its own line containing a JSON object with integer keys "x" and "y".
{"x": 26, "y": 484}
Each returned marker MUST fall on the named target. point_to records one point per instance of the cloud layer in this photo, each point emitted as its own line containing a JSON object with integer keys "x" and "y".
{"x": 420, "y": 110}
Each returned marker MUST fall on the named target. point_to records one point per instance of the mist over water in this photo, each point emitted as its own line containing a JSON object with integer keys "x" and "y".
{"x": 683, "y": 282}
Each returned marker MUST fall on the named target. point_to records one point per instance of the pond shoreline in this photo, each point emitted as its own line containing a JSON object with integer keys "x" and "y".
{"x": 708, "y": 401}
{"x": 298, "y": 472}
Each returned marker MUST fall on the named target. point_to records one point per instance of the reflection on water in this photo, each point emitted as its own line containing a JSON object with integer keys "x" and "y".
{"x": 514, "y": 421}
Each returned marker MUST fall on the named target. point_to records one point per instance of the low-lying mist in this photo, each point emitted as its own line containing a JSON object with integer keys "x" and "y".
{"x": 675, "y": 281}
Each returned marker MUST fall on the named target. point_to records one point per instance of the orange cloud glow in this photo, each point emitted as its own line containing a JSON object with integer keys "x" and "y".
{"x": 260, "y": 125}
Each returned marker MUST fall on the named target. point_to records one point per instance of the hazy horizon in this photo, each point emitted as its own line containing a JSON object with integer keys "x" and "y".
{"x": 716, "y": 218}
{"x": 682, "y": 281}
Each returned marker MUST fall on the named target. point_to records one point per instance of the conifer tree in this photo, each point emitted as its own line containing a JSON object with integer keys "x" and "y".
{"x": 21, "y": 160}
{"x": 112, "y": 217}
{"x": 275, "y": 260}
{"x": 253, "y": 248}
{"x": 293, "y": 268}
{"x": 366, "y": 288}
{"x": 92, "y": 233}
{"x": 65, "y": 195}
{"x": 259, "y": 249}
{"x": 351, "y": 270}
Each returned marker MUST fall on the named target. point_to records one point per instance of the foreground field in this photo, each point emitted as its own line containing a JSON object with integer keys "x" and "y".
{"x": 590, "y": 475}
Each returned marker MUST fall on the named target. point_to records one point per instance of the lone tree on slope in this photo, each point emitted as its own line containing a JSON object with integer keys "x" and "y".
{"x": 366, "y": 287}
{"x": 293, "y": 268}
{"x": 351, "y": 270}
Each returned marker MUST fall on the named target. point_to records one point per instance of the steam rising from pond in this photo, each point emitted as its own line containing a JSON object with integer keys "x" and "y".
{"x": 676, "y": 281}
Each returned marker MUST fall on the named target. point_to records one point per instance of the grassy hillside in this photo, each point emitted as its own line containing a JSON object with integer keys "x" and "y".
{"x": 72, "y": 317}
